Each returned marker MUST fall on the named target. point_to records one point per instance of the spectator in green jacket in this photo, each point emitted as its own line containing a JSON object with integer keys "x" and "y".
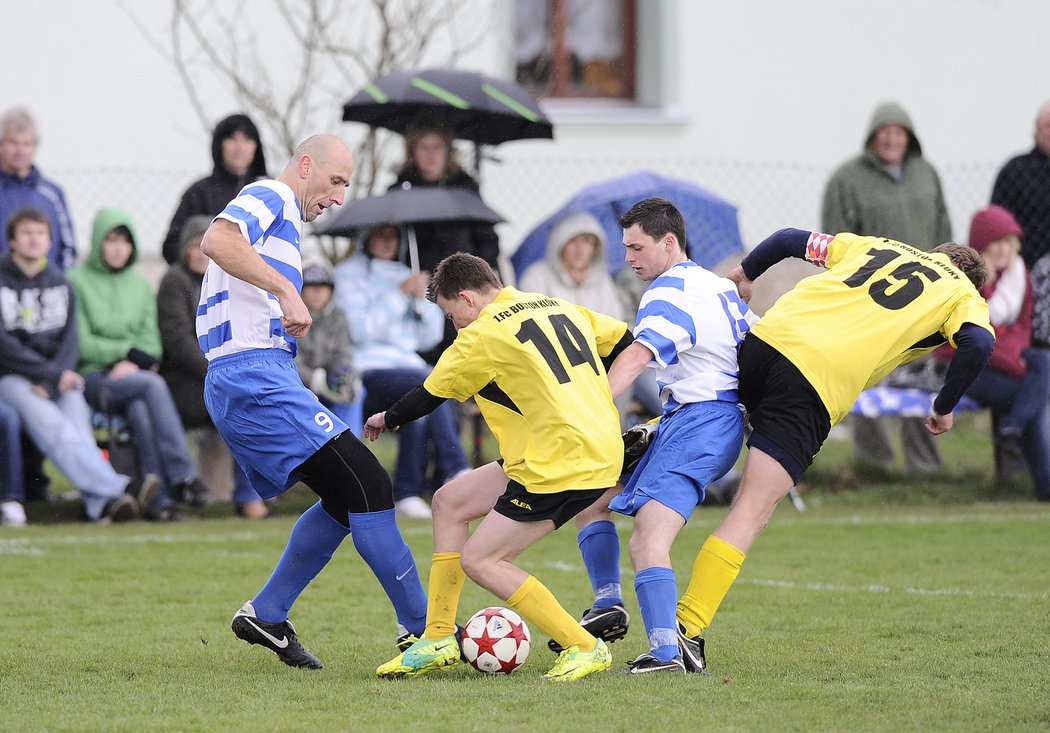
{"x": 119, "y": 357}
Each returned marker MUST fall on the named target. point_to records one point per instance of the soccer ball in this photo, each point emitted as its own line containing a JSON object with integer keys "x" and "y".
{"x": 496, "y": 640}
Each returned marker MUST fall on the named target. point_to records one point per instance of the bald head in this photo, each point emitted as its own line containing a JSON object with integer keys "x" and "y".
{"x": 319, "y": 173}
{"x": 323, "y": 148}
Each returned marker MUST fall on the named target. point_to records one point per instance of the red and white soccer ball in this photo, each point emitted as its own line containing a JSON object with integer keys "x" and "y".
{"x": 496, "y": 640}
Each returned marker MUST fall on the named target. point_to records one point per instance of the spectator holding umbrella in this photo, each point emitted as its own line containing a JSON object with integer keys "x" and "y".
{"x": 430, "y": 161}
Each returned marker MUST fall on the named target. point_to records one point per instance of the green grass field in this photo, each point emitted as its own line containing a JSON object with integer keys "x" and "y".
{"x": 890, "y": 605}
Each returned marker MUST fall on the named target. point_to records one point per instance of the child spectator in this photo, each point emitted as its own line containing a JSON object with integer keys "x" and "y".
{"x": 323, "y": 357}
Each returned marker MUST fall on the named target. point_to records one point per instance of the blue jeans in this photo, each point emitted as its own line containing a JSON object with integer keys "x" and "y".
{"x": 1034, "y": 391}
{"x": 12, "y": 483}
{"x": 61, "y": 429}
{"x": 383, "y": 388}
{"x": 156, "y": 430}
{"x": 1024, "y": 405}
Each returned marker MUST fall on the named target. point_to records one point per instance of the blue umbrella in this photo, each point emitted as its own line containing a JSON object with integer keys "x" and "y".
{"x": 712, "y": 233}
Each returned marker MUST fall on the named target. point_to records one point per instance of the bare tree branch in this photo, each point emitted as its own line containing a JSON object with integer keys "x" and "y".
{"x": 294, "y": 79}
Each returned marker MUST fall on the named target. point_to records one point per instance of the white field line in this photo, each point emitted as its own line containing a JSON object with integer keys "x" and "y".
{"x": 839, "y": 588}
{"x": 914, "y": 519}
{"x": 33, "y": 546}
{"x": 889, "y": 590}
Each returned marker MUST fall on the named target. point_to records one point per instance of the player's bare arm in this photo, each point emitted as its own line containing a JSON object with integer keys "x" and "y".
{"x": 224, "y": 243}
{"x": 743, "y": 284}
{"x": 627, "y": 366}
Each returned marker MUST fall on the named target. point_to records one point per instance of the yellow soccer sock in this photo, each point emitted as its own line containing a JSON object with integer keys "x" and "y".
{"x": 446, "y": 582}
{"x": 538, "y": 606}
{"x": 714, "y": 570}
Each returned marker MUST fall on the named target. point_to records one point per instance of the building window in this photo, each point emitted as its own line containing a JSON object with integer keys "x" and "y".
{"x": 576, "y": 48}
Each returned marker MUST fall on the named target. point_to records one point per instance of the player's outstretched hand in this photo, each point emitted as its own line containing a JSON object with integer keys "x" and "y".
{"x": 375, "y": 426}
{"x": 938, "y": 424}
{"x": 295, "y": 316}
{"x": 743, "y": 285}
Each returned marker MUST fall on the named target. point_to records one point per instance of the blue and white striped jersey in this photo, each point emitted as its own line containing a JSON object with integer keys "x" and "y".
{"x": 693, "y": 321}
{"x": 232, "y": 315}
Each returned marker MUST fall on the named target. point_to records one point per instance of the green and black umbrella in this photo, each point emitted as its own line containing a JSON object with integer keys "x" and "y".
{"x": 475, "y": 107}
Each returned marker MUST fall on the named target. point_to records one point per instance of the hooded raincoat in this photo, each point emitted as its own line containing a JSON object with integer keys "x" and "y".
{"x": 209, "y": 195}
{"x": 116, "y": 310}
{"x": 865, "y": 197}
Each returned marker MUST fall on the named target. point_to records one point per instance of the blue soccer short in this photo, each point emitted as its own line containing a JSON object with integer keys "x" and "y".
{"x": 693, "y": 446}
{"x": 269, "y": 420}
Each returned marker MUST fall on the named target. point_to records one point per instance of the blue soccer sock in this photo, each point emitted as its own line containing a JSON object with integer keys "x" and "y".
{"x": 600, "y": 547}
{"x": 314, "y": 539}
{"x": 378, "y": 540}
{"x": 657, "y": 598}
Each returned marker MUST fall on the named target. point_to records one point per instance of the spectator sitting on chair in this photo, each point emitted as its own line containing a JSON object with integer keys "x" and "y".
{"x": 323, "y": 356}
{"x": 390, "y": 321}
{"x": 22, "y": 185}
{"x": 38, "y": 355}
{"x": 184, "y": 367}
{"x": 1016, "y": 381}
{"x": 119, "y": 356}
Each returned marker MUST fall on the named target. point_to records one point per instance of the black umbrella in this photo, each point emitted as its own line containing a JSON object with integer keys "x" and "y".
{"x": 409, "y": 206}
{"x": 475, "y": 107}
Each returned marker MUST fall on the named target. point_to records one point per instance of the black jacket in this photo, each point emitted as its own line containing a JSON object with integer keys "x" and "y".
{"x": 209, "y": 196}
{"x": 1023, "y": 187}
{"x": 438, "y": 240}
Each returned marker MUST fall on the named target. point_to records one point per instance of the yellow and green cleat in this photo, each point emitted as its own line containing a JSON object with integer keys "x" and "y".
{"x": 422, "y": 657}
{"x": 572, "y": 664}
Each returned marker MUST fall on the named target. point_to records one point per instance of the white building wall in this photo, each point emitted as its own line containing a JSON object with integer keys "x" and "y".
{"x": 757, "y": 100}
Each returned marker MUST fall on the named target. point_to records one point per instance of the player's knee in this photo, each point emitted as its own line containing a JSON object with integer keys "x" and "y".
{"x": 473, "y": 564}
{"x": 442, "y": 505}
{"x": 448, "y": 505}
{"x": 647, "y": 551}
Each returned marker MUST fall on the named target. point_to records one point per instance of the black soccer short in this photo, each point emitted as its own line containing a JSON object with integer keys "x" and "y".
{"x": 788, "y": 419}
{"x": 519, "y": 504}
